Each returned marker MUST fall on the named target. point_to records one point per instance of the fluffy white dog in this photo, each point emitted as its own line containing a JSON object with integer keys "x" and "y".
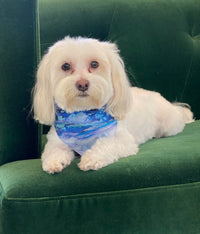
{"x": 79, "y": 75}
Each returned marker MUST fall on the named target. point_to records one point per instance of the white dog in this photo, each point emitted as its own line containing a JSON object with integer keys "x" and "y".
{"x": 79, "y": 76}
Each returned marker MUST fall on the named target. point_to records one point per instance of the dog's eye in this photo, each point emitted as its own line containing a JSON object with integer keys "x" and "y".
{"x": 66, "y": 67}
{"x": 94, "y": 64}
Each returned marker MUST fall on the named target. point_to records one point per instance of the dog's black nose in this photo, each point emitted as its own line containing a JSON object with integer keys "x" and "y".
{"x": 82, "y": 85}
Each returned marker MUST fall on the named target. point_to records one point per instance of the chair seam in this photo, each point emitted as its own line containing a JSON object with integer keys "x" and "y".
{"x": 101, "y": 194}
{"x": 112, "y": 18}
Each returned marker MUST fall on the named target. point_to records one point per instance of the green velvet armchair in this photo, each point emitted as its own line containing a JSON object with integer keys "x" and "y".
{"x": 156, "y": 191}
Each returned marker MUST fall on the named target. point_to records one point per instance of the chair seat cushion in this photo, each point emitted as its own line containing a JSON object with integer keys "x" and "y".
{"x": 165, "y": 161}
{"x": 160, "y": 163}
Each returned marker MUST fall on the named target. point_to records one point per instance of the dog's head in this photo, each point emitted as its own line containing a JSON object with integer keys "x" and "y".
{"x": 81, "y": 74}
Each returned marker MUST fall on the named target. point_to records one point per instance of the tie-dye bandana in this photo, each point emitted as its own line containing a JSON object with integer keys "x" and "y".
{"x": 81, "y": 129}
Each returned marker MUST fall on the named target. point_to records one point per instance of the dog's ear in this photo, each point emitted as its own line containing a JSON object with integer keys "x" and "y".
{"x": 120, "y": 102}
{"x": 43, "y": 104}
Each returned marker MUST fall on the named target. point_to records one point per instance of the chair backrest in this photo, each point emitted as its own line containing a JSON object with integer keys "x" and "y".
{"x": 159, "y": 41}
{"x": 18, "y": 132}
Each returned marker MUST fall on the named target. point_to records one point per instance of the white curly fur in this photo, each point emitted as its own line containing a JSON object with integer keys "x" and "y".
{"x": 141, "y": 114}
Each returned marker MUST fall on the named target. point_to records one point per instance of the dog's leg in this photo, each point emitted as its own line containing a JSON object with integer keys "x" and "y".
{"x": 108, "y": 150}
{"x": 56, "y": 155}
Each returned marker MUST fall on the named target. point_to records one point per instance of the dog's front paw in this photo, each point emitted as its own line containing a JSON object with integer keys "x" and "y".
{"x": 92, "y": 162}
{"x": 56, "y": 161}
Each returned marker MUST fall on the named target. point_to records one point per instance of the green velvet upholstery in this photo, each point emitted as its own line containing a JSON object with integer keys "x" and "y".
{"x": 154, "y": 191}
{"x": 18, "y": 133}
{"x": 159, "y": 39}
{"x": 158, "y": 190}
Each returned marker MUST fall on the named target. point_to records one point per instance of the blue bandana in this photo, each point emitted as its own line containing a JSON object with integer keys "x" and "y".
{"x": 81, "y": 129}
